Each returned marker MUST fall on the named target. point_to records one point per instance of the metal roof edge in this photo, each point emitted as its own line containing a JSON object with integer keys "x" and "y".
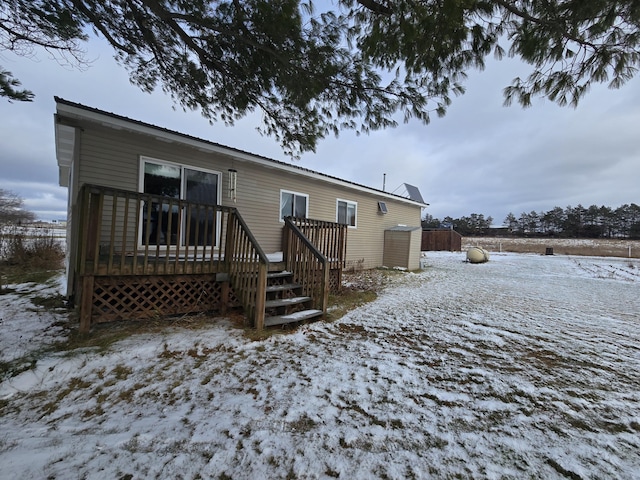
{"x": 121, "y": 122}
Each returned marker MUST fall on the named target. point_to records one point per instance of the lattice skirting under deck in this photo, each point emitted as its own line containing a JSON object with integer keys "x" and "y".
{"x": 144, "y": 297}
{"x": 335, "y": 280}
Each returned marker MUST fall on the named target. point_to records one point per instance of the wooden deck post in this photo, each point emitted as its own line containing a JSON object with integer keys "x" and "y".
{"x": 93, "y": 229}
{"x": 86, "y": 302}
{"x": 261, "y": 296}
{"x": 224, "y": 297}
{"x": 229, "y": 247}
{"x": 325, "y": 287}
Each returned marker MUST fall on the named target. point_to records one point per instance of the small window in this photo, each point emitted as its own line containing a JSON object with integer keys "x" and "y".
{"x": 293, "y": 204}
{"x": 346, "y": 212}
{"x": 382, "y": 207}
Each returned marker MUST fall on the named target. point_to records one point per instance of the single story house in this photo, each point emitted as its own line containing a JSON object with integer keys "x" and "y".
{"x": 158, "y": 220}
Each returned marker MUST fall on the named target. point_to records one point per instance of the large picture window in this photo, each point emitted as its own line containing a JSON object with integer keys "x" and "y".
{"x": 346, "y": 212}
{"x": 186, "y": 183}
{"x": 293, "y": 204}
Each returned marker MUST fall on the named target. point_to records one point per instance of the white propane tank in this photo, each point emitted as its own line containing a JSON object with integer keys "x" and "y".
{"x": 477, "y": 255}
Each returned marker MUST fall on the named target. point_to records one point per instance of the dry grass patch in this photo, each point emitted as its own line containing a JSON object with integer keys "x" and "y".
{"x": 29, "y": 258}
{"x": 72, "y": 386}
{"x": 103, "y": 336}
{"x": 359, "y": 288}
{"x": 348, "y": 300}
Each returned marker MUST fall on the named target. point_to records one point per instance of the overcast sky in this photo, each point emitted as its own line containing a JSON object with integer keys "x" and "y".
{"x": 481, "y": 158}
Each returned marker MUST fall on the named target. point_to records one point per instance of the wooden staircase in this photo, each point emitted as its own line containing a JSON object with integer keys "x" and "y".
{"x": 284, "y": 301}
{"x": 116, "y": 272}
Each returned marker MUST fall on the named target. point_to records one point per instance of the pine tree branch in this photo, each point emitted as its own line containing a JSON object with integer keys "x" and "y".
{"x": 527, "y": 16}
{"x": 375, "y": 7}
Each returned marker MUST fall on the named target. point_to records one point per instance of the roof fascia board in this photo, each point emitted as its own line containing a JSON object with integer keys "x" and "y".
{"x": 203, "y": 145}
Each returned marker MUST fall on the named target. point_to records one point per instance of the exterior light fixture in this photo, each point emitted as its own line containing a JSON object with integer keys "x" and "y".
{"x": 233, "y": 183}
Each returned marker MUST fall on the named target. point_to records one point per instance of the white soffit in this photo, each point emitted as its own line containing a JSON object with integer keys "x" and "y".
{"x": 65, "y": 144}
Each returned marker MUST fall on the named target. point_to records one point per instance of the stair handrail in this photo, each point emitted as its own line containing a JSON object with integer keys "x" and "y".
{"x": 248, "y": 266}
{"x": 330, "y": 238}
{"x": 308, "y": 265}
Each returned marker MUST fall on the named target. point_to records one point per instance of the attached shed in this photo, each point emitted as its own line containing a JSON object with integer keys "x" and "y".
{"x": 401, "y": 247}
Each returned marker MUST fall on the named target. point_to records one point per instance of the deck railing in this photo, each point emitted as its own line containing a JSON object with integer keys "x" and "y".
{"x": 247, "y": 265}
{"x": 311, "y": 249}
{"x": 131, "y": 233}
{"x": 329, "y": 238}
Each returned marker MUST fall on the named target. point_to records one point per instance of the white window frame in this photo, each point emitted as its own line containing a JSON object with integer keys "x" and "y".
{"x": 299, "y": 194}
{"x": 348, "y": 202}
{"x": 183, "y": 180}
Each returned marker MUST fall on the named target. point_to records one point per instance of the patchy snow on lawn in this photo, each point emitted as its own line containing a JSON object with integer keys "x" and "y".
{"x": 25, "y": 328}
{"x": 522, "y": 367}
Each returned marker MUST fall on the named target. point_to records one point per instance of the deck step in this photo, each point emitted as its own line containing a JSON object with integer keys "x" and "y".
{"x": 283, "y": 274}
{"x": 282, "y": 302}
{"x": 292, "y": 317}
{"x": 280, "y": 288}
{"x": 276, "y": 266}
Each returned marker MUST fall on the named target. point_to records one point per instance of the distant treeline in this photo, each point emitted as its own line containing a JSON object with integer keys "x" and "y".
{"x": 474, "y": 224}
{"x": 571, "y": 222}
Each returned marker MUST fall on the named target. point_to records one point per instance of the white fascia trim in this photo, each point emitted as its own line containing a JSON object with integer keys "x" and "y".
{"x": 65, "y": 139}
{"x": 203, "y": 145}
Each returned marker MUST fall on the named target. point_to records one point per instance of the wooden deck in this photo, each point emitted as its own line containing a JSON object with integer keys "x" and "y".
{"x": 169, "y": 264}
{"x": 140, "y": 256}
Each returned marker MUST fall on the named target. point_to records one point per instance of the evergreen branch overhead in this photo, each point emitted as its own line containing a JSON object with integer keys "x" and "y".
{"x": 315, "y": 69}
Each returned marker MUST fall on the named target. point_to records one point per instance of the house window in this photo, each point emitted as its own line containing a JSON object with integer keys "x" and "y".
{"x": 293, "y": 204}
{"x": 186, "y": 183}
{"x": 346, "y": 212}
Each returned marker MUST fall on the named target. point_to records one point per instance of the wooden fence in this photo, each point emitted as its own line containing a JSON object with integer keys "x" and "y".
{"x": 435, "y": 240}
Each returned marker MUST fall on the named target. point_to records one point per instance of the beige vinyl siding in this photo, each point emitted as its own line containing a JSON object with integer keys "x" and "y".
{"x": 111, "y": 157}
{"x": 261, "y": 208}
{"x": 366, "y": 243}
{"x": 415, "y": 249}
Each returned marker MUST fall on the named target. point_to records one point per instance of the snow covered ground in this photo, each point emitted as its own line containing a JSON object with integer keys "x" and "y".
{"x": 523, "y": 367}
{"x": 565, "y": 246}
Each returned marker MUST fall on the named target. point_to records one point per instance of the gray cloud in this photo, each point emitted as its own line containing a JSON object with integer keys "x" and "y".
{"x": 480, "y": 158}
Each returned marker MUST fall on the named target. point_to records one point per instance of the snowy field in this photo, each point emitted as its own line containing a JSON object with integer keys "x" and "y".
{"x": 604, "y": 247}
{"x": 524, "y": 367}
